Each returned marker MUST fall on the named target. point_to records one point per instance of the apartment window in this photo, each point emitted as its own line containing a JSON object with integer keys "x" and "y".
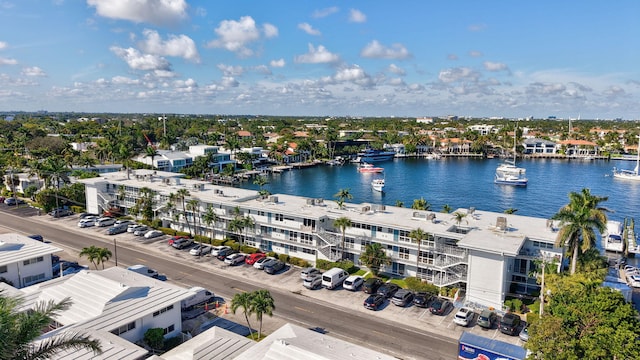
{"x": 33, "y": 261}
{"x": 279, "y": 217}
{"x": 260, "y": 213}
{"x": 349, "y": 243}
{"x": 403, "y": 253}
{"x": 169, "y": 329}
{"x": 308, "y": 251}
{"x": 293, "y": 236}
{"x": 306, "y": 239}
{"x": 364, "y": 243}
{"x": 163, "y": 310}
{"x": 293, "y": 248}
{"x": 3, "y": 269}
{"x": 33, "y": 278}
{"x": 124, "y": 328}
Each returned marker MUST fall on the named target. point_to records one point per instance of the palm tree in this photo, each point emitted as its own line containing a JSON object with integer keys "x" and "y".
{"x": 181, "y": 195}
{"x": 151, "y": 152}
{"x": 210, "y": 217}
{"x": 243, "y": 300}
{"x": 459, "y": 217}
{"x": 510, "y": 211}
{"x": 103, "y": 255}
{"x": 92, "y": 254}
{"x": 262, "y": 303}
{"x": 247, "y": 222}
{"x": 342, "y": 195}
{"x": 18, "y": 330}
{"x": 446, "y": 208}
{"x": 579, "y": 220}
{"x": 421, "y": 204}
{"x": 342, "y": 223}
{"x": 418, "y": 235}
{"x": 374, "y": 257}
{"x": 261, "y": 181}
{"x": 399, "y": 203}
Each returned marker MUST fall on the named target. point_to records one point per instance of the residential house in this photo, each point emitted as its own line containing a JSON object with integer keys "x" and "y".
{"x": 25, "y": 261}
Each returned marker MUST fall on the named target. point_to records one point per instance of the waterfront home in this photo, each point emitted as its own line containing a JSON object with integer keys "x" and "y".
{"x": 579, "y": 148}
{"x": 537, "y": 146}
{"x": 488, "y": 255}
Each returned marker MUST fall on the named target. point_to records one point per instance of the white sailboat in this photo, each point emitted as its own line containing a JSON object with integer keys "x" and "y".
{"x": 377, "y": 185}
{"x": 629, "y": 174}
{"x": 508, "y": 173}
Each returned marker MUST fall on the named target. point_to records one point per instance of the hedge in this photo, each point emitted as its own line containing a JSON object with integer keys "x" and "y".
{"x": 415, "y": 284}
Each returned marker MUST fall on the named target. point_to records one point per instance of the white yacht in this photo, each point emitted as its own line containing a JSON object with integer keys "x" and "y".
{"x": 612, "y": 238}
{"x": 629, "y": 174}
{"x": 377, "y": 185}
{"x": 508, "y": 173}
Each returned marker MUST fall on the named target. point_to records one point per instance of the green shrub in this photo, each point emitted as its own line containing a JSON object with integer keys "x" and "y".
{"x": 272, "y": 254}
{"x": 299, "y": 262}
{"x": 77, "y": 209}
{"x": 154, "y": 338}
{"x": 248, "y": 249}
{"x": 201, "y": 239}
{"x": 517, "y": 305}
{"x": 218, "y": 242}
{"x": 508, "y": 304}
{"x": 170, "y": 343}
{"x": 234, "y": 246}
{"x": 284, "y": 258}
{"x": 181, "y": 233}
{"x": 324, "y": 264}
{"x": 156, "y": 223}
{"x": 416, "y": 284}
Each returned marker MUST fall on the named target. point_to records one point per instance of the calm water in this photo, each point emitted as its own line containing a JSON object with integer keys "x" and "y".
{"x": 468, "y": 183}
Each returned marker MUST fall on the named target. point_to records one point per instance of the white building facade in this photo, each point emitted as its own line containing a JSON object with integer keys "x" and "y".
{"x": 489, "y": 255}
{"x": 25, "y": 261}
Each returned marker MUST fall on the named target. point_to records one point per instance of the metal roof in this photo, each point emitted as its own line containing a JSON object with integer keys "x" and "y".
{"x": 15, "y": 248}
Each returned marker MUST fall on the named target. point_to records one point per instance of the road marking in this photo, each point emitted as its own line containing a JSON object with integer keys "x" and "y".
{"x": 241, "y": 290}
{"x": 303, "y": 309}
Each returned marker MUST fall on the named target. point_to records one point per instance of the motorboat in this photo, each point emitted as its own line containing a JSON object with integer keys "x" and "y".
{"x": 508, "y": 173}
{"x": 629, "y": 174}
{"x": 369, "y": 168}
{"x": 377, "y": 185}
{"x": 612, "y": 238}
{"x": 372, "y": 155}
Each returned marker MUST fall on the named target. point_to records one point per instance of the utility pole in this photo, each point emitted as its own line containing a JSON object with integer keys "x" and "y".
{"x": 115, "y": 250}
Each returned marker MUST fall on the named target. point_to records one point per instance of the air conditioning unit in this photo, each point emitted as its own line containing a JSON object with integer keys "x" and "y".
{"x": 273, "y": 199}
{"x": 167, "y": 181}
{"x": 365, "y": 209}
{"x": 311, "y": 201}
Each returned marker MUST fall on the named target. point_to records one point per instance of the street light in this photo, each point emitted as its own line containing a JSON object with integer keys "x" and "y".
{"x": 115, "y": 250}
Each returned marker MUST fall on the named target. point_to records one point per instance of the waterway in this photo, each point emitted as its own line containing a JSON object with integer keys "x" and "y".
{"x": 466, "y": 182}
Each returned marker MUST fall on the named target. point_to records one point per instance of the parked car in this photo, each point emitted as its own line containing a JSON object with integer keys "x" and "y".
{"x": 259, "y": 264}
{"x": 117, "y": 229}
{"x": 388, "y": 289}
{"x": 105, "y": 221}
{"x": 86, "y": 222}
{"x": 222, "y": 254}
{"x": 252, "y": 258}
{"x": 124, "y": 222}
{"x": 13, "y": 201}
{"x": 371, "y": 285}
{"x": 374, "y": 301}
{"x": 402, "y": 297}
{"x": 273, "y": 267}
{"x": 140, "y": 231}
{"x": 86, "y": 215}
{"x": 153, "y": 234}
{"x": 216, "y": 249}
{"x": 524, "y": 333}
{"x": 440, "y": 306}
{"x": 510, "y": 324}
{"x": 353, "y": 283}
{"x": 313, "y": 282}
{"x": 423, "y": 299}
{"x": 36, "y": 237}
{"x": 68, "y": 267}
{"x": 234, "y": 259}
{"x": 487, "y": 319}
{"x": 131, "y": 228}
{"x": 309, "y": 272}
{"x": 200, "y": 249}
{"x": 464, "y": 316}
{"x": 177, "y": 237}
{"x": 57, "y": 213}
{"x": 182, "y": 243}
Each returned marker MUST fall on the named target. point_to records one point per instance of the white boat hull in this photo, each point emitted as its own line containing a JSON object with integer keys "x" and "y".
{"x": 378, "y": 185}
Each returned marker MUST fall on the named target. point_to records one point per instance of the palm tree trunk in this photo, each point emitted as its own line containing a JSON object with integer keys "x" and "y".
{"x": 574, "y": 259}
{"x": 246, "y": 316}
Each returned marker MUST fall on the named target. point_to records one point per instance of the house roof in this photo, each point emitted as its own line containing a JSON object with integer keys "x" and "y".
{"x": 294, "y": 342}
{"x": 15, "y": 248}
{"x": 577, "y": 142}
{"x": 213, "y": 344}
{"x": 105, "y": 299}
{"x": 113, "y": 347}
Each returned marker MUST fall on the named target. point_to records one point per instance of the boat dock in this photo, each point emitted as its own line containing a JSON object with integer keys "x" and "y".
{"x": 631, "y": 239}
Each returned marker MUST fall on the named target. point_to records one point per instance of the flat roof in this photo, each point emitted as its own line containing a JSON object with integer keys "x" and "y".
{"x": 214, "y": 344}
{"x": 16, "y": 247}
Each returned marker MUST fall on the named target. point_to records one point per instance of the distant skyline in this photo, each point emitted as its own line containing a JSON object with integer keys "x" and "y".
{"x": 320, "y": 58}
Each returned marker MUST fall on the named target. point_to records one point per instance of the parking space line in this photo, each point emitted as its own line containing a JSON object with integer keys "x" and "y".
{"x": 303, "y": 309}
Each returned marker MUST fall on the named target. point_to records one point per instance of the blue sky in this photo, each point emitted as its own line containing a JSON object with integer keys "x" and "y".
{"x": 322, "y": 58}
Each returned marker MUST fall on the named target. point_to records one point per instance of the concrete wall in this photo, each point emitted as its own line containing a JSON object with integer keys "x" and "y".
{"x": 486, "y": 278}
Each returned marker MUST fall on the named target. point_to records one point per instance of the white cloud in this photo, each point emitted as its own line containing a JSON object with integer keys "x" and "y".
{"x": 123, "y": 80}
{"x": 458, "y": 74}
{"x": 452, "y": 57}
{"x": 176, "y": 45}
{"x": 262, "y": 69}
{"x": 228, "y": 70}
{"x": 376, "y": 50}
{"x": 325, "y": 12}
{"x": 236, "y": 35}
{"x": 396, "y": 70}
{"x": 277, "y": 63}
{"x": 495, "y": 66}
{"x": 229, "y": 81}
{"x": 33, "y": 71}
{"x": 200, "y": 11}
{"x": 157, "y": 12}
{"x": 475, "y": 54}
{"x": 3, "y": 45}
{"x": 317, "y": 56}
{"x": 539, "y": 88}
{"x": 306, "y": 27}
{"x": 7, "y": 61}
{"x": 357, "y": 16}
{"x": 353, "y": 74}
{"x": 139, "y": 61}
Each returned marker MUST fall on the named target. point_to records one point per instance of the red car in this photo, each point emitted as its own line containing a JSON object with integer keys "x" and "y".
{"x": 176, "y": 238}
{"x": 252, "y": 258}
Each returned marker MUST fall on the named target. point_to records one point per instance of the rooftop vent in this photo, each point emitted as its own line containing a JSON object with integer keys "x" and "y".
{"x": 501, "y": 223}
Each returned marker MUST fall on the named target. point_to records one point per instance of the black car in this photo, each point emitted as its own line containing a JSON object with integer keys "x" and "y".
{"x": 36, "y": 237}
{"x": 273, "y": 267}
{"x": 388, "y": 289}
{"x": 440, "y": 306}
{"x": 423, "y": 299}
{"x": 371, "y": 285}
{"x": 374, "y": 301}
{"x": 13, "y": 201}
{"x": 510, "y": 324}
{"x": 222, "y": 254}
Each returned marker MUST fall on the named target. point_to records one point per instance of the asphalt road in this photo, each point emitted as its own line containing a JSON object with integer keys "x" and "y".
{"x": 388, "y": 337}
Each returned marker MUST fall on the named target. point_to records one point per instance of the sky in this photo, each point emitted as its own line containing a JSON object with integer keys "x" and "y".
{"x": 407, "y": 58}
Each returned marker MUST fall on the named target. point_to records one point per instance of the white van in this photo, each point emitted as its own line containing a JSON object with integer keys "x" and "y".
{"x": 198, "y": 296}
{"x": 144, "y": 270}
{"x": 333, "y": 278}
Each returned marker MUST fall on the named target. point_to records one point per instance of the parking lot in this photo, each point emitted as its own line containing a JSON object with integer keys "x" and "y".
{"x": 289, "y": 279}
